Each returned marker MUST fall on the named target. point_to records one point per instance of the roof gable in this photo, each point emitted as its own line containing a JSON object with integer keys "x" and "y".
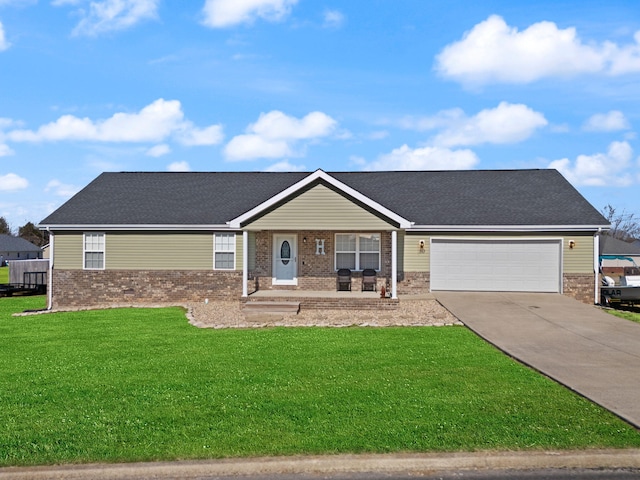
{"x": 319, "y": 208}
{"x": 319, "y": 177}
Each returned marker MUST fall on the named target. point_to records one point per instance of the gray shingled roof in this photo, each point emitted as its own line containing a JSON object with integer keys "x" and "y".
{"x": 470, "y": 197}
{"x": 613, "y": 246}
{"x": 10, "y": 243}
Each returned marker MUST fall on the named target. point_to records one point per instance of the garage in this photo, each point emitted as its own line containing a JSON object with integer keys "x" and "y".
{"x": 505, "y": 265}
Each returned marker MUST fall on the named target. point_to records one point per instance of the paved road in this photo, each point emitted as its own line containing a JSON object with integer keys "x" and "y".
{"x": 578, "y": 345}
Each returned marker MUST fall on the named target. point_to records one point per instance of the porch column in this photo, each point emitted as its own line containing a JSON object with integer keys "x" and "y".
{"x": 394, "y": 264}
{"x": 245, "y": 262}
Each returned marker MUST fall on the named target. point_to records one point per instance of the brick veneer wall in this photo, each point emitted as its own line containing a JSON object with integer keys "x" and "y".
{"x": 315, "y": 272}
{"x": 80, "y": 288}
{"x": 413, "y": 283}
{"x": 579, "y": 286}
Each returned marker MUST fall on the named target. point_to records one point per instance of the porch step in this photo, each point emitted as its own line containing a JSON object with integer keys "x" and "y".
{"x": 268, "y": 307}
{"x": 326, "y": 301}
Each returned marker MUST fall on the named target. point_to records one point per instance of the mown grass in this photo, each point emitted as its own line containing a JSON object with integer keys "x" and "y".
{"x": 142, "y": 384}
{"x": 630, "y": 313}
{"x": 4, "y": 275}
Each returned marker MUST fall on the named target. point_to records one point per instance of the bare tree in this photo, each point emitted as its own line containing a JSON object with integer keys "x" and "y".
{"x": 624, "y": 226}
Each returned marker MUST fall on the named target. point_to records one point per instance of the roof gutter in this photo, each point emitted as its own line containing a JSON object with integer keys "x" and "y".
{"x": 128, "y": 227}
{"x": 507, "y": 228}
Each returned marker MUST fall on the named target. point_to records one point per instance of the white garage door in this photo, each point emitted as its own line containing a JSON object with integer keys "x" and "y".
{"x": 495, "y": 265}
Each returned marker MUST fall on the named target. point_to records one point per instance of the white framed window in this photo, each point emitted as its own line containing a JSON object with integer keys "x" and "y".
{"x": 357, "y": 251}
{"x": 93, "y": 251}
{"x": 224, "y": 251}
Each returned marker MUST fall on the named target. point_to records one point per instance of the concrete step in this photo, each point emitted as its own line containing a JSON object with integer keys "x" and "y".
{"x": 268, "y": 307}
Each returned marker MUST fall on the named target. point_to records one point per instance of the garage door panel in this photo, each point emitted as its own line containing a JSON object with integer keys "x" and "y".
{"x": 495, "y": 265}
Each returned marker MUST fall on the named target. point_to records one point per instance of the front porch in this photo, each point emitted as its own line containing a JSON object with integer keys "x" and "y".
{"x": 321, "y": 300}
{"x": 307, "y": 261}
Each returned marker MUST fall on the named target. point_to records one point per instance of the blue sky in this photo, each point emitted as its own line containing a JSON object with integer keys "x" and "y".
{"x": 284, "y": 85}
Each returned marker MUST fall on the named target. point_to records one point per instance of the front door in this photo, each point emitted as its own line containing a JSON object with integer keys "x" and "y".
{"x": 285, "y": 261}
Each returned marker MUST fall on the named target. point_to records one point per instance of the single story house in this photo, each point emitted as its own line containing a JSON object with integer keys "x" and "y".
{"x": 16, "y": 248}
{"x": 166, "y": 237}
{"x": 616, "y": 254}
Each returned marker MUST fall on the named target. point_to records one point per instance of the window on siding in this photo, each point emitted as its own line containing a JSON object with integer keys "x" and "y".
{"x": 94, "y": 251}
{"x": 224, "y": 251}
{"x": 357, "y": 251}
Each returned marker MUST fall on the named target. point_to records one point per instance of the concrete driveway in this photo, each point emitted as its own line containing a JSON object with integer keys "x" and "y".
{"x": 578, "y": 345}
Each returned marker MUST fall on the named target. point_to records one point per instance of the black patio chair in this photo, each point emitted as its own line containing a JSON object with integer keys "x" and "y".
{"x": 369, "y": 280}
{"x": 344, "y": 279}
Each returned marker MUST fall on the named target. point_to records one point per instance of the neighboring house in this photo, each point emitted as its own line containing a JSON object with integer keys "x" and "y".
{"x": 16, "y": 248}
{"x": 161, "y": 237}
{"x": 616, "y": 254}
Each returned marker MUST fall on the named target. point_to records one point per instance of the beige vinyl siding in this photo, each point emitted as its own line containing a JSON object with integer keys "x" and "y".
{"x": 239, "y": 248}
{"x": 320, "y": 208}
{"x": 413, "y": 259}
{"x": 578, "y": 259}
{"x": 67, "y": 250}
{"x": 159, "y": 251}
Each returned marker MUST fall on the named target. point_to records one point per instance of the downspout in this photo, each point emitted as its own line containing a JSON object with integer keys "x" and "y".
{"x": 596, "y": 265}
{"x": 50, "y": 279}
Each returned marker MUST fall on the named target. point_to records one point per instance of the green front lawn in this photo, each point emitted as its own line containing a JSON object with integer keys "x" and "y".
{"x": 629, "y": 314}
{"x": 142, "y": 384}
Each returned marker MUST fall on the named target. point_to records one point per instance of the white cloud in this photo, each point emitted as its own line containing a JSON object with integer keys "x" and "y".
{"x": 285, "y": 167}
{"x": 192, "y": 136}
{"x": 426, "y": 158}
{"x": 275, "y": 135}
{"x": 600, "y": 169}
{"x": 61, "y": 189}
{"x": 112, "y": 15}
{"x": 607, "y": 122}
{"x": 507, "y": 123}
{"x": 158, "y": 150}
{"x": 226, "y": 13}
{"x": 5, "y": 151}
{"x": 11, "y": 181}
{"x": 156, "y": 122}
{"x": 333, "y": 19}
{"x": 179, "y": 167}
{"x": 492, "y": 51}
{"x": 248, "y": 147}
{"x": 4, "y": 44}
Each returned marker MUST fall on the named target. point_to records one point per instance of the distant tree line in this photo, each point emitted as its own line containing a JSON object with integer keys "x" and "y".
{"x": 28, "y": 231}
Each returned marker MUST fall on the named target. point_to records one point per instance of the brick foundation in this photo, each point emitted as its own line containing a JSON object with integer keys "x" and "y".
{"x": 413, "y": 283}
{"x": 82, "y": 288}
{"x": 579, "y": 286}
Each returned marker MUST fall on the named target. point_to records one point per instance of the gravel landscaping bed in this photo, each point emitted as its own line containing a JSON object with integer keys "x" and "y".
{"x": 411, "y": 312}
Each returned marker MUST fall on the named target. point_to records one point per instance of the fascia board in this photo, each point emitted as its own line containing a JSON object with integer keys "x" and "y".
{"x": 127, "y": 227}
{"x": 507, "y": 228}
{"x": 237, "y": 222}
